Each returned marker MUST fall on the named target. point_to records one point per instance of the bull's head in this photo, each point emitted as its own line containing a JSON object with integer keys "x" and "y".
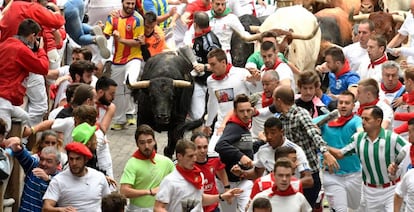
{"x": 385, "y": 23}
{"x": 161, "y": 92}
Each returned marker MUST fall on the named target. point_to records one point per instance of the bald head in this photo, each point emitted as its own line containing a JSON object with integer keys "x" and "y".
{"x": 285, "y": 94}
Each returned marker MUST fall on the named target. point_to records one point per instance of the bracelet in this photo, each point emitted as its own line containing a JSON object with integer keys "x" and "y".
{"x": 151, "y": 192}
{"x": 221, "y": 198}
{"x": 33, "y": 130}
{"x": 227, "y": 187}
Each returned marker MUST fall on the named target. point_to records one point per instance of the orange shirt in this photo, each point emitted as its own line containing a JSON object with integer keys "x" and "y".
{"x": 130, "y": 27}
{"x": 156, "y": 42}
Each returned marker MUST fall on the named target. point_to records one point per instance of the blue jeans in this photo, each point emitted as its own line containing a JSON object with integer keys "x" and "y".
{"x": 78, "y": 31}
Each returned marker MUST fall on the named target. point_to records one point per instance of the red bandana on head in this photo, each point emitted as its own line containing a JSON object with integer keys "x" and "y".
{"x": 138, "y": 155}
{"x": 277, "y": 63}
{"x": 399, "y": 85}
{"x": 378, "y": 61}
{"x": 214, "y": 76}
{"x": 266, "y": 101}
{"x": 362, "y": 106}
{"x": 289, "y": 191}
{"x": 341, "y": 121}
{"x": 235, "y": 119}
{"x": 345, "y": 69}
{"x": 192, "y": 176}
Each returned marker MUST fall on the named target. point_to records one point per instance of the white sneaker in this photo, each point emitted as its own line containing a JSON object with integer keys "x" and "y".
{"x": 97, "y": 30}
{"x": 101, "y": 43}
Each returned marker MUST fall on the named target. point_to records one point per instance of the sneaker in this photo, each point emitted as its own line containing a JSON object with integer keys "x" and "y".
{"x": 97, "y": 30}
{"x": 101, "y": 43}
{"x": 117, "y": 127}
{"x": 131, "y": 120}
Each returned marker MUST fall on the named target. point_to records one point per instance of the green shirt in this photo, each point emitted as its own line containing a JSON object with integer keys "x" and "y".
{"x": 256, "y": 60}
{"x": 143, "y": 175}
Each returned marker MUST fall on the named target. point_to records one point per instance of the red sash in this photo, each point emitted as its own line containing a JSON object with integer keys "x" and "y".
{"x": 192, "y": 176}
{"x": 214, "y": 76}
{"x": 138, "y": 155}
{"x": 266, "y": 101}
{"x": 362, "y": 106}
{"x": 289, "y": 191}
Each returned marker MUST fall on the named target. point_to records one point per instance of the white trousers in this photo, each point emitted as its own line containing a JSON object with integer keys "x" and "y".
{"x": 239, "y": 203}
{"x": 37, "y": 98}
{"x": 378, "y": 199}
{"x": 123, "y": 99}
{"x": 9, "y": 111}
{"x": 343, "y": 191}
{"x": 198, "y": 101}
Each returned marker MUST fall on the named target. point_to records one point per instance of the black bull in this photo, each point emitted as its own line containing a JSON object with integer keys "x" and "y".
{"x": 164, "y": 95}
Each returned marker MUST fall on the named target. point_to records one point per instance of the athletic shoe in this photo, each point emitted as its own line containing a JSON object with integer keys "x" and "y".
{"x": 101, "y": 43}
{"x": 117, "y": 127}
{"x": 131, "y": 120}
{"x": 97, "y": 30}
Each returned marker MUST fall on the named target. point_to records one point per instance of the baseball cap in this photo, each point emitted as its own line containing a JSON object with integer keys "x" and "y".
{"x": 83, "y": 132}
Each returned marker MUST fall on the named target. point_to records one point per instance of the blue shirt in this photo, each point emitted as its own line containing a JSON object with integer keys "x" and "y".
{"x": 337, "y": 86}
{"x": 339, "y": 137}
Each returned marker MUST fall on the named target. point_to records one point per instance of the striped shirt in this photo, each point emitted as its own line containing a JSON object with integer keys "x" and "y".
{"x": 377, "y": 155}
{"x": 34, "y": 187}
{"x": 130, "y": 27}
{"x": 299, "y": 129}
{"x": 159, "y": 7}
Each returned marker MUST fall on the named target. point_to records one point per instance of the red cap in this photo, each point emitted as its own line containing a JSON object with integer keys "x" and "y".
{"x": 79, "y": 148}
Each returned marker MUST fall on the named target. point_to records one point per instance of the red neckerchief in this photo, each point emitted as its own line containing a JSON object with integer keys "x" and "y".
{"x": 99, "y": 105}
{"x": 192, "y": 176}
{"x": 53, "y": 91}
{"x": 408, "y": 98}
{"x": 362, "y": 106}
{"x": 277, "y": 63}
{"x": 67, "y": 105}
{"x": 214, "y": 76}
{"x": 412, "y": 154}
{"x": 399, "y": 85}
{"x": 341, "y": 121}
{"x": 235, "y": 119}
{"x": 345, "y": 69}
{"x": 266, "y": 101}
{"x": 378, "y": 61}
{"x": 138, "y": 155}
{"x": 289, "y": 191}
{"x": 203, "y": 32}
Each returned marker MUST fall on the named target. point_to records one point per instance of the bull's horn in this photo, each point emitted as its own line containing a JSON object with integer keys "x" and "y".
{"x": 360, "y": 17}
{"x": 139, "y": 84}
{"x": 306, "y": 37}
{"x": 181, "y": 83}
{"x": 398, "y": 18}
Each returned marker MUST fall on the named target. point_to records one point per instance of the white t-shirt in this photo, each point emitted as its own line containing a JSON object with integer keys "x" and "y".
{"x": 354, "y": 53}
{"x": 83, "y": 193}
{"x": 405, "y": 189}
{"x": 258, "y": 121}
{"x": 65, "y": 126}
{"x": 222, "y": 92}
{"x": 284, "y": 72}
{"x": 292, "y": 203}
{"x": 264, "y": 158}
{"x": 386, "y": 109}
{"x": 175, "y": 190}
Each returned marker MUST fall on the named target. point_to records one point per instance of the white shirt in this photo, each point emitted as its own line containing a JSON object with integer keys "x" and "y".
{"x": 407, "y": 29}
{"x": 292, "y": 203}
{"x": 364, "y": 72}
{"x": 65, "y": 126}
{"x": 174, "y": 190}
{"x": 354, "y": 53}
{"x": 222, "y": 92}
{"x": 284, "y": 72}
{"x": 264, "y": 158}
{"x": 386, "y": 109}
{"x": 83, "y": 193}
{"x": 405, "y": 189}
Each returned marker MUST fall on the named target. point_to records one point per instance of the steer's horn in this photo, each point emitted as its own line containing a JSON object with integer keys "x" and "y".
{"x": 398, "y": 18}
{"x": 181, "y": 83}
{"x": 306, "y": 37}
{"x": 139, "y": 84}
{"x": 360, "y": 17}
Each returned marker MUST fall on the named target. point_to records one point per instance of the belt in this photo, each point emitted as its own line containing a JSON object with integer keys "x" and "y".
{"x": 386, "y": 185}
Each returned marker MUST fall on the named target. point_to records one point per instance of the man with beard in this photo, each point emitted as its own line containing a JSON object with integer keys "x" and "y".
{"x": 78, "y": 188}
{"x": 341, "y": 77}
{"x": 343, "y": 188}
{"x": 105, "y": 93}
{"x": 39, "y": 172}
{"x": 144, "y": 171}
{"x": 128, "y": 31}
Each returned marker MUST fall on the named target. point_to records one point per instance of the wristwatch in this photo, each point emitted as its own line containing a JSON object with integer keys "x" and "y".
{"x": 323, "y": 149}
